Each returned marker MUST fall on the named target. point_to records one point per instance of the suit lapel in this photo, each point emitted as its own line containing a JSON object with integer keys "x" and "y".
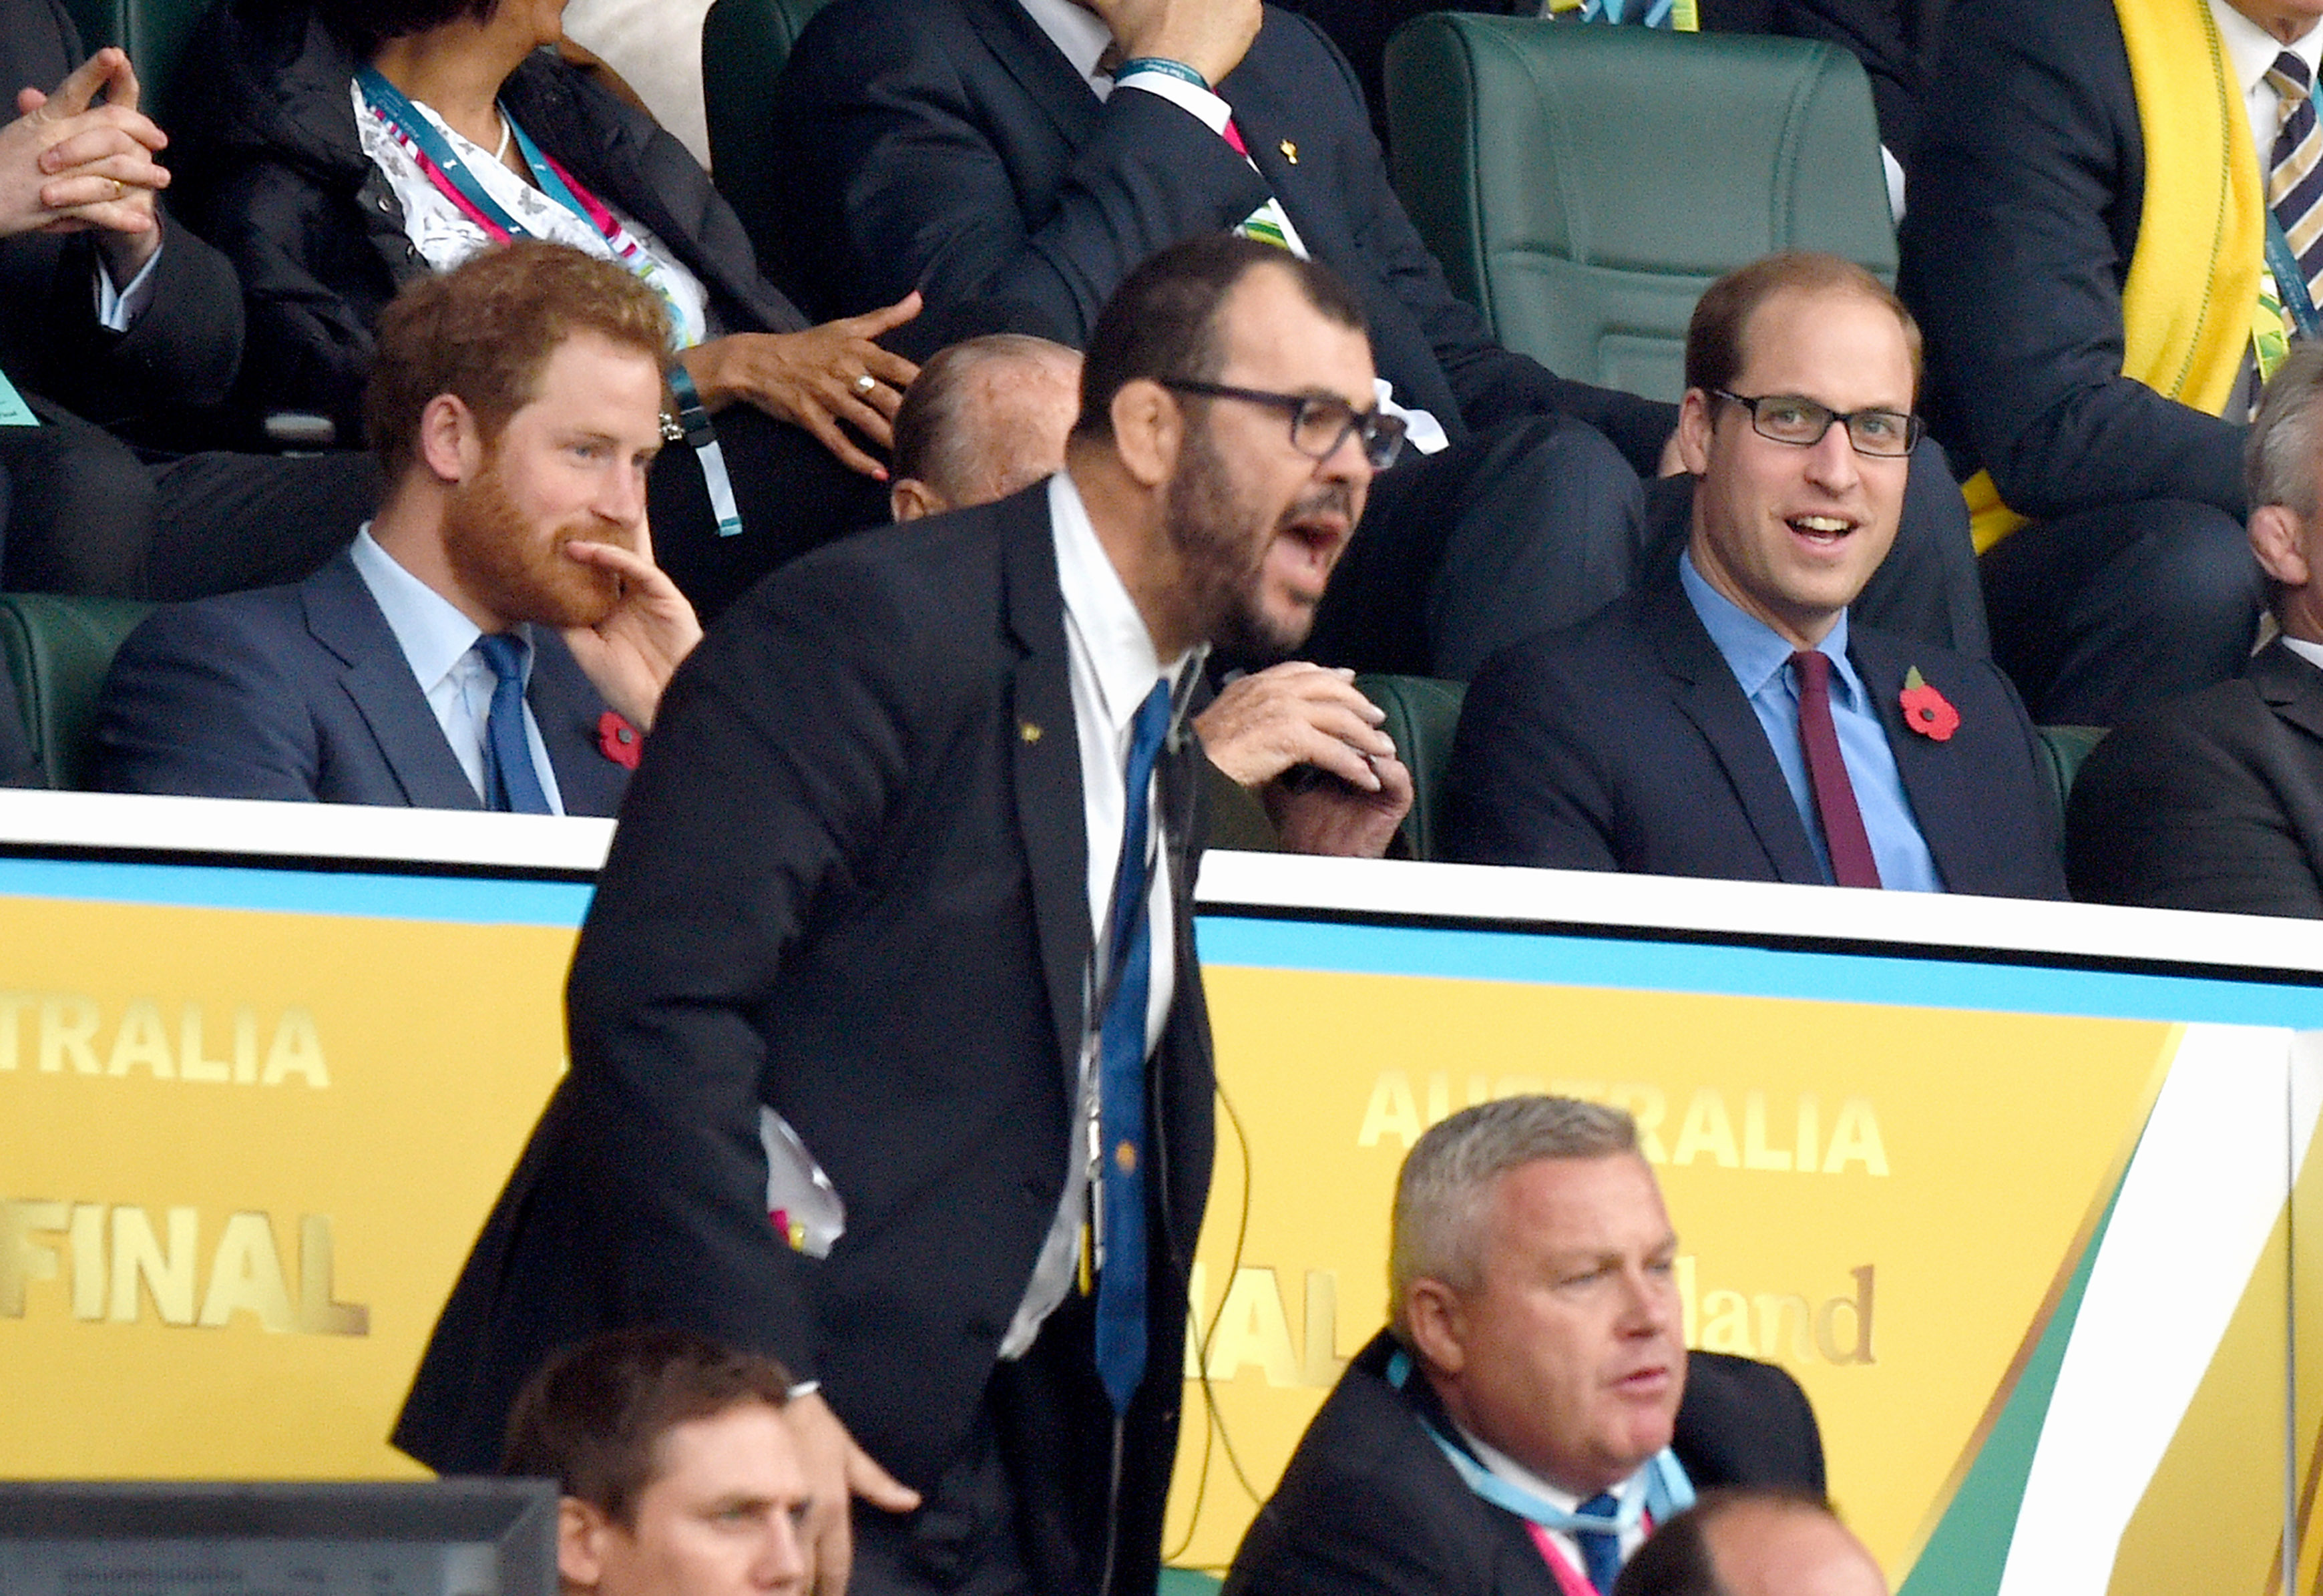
{"x": 2291, "y": 687}
{"x": 1029, "y": 56}
{"x": 343, "y": 618}
{"x": 1047, "y": 766}
{"x": 1936, "y": 776}
{"x": 567, "y": 705}
{"x": 1708, "y": 694}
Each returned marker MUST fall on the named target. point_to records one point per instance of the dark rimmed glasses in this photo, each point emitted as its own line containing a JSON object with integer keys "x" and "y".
{"x": 1786, "y": 418}
{"x": 1319, "y": 423}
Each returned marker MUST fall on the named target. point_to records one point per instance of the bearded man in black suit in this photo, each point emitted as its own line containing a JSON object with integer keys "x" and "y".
{"x": 888, "y": 898}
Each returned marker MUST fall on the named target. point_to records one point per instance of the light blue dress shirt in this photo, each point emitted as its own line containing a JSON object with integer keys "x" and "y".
{"x": 439, "y": 644}
{"x": 1760, "y": 659}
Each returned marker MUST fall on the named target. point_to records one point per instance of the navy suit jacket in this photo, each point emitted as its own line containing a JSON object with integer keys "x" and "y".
{"x": 1370, "y": 1506}
{"x": 2210, "y": 801}
{"x": 302, "y": 693}
{"x": 2027, "y": 189}
{"x": 849, "y": 884}
{"x": 1626, "y": 744}
{"x": 948, "y": 145}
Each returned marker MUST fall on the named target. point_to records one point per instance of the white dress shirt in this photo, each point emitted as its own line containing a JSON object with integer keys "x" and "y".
{"x": 439, "y": 644}
{"x": 1564, "y": 1501}
{"x": 2250, "y": 51}
{"x": 1114, "y": 668}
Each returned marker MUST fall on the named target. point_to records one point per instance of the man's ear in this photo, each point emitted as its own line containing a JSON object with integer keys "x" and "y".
{"x": 1693, "y": 430}
{"x": 451, "y": 443}
{"x": 2279, "y": 538}
{"x": 582, "y": 1528}
{"x": 1148, "y": 428}
{"x": 911, "y": 500}
{"x": 1438, "y": 1329}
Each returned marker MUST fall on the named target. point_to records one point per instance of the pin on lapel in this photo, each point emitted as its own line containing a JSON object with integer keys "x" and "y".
{"x": 1926, "y": 711}
{"x": 1290, "y": 152}
{"x": 1028, "y": 731}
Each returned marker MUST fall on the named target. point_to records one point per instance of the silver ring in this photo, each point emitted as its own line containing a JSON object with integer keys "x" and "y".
{"x": 865, "y": 383}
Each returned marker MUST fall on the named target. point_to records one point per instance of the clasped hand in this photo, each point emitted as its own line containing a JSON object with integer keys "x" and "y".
{"x": 69, "y": 163}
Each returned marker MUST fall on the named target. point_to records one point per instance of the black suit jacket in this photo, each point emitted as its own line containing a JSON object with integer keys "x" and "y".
{"x": 1625, "y": 744}
{"x": 947, "y": 145}
{"x": 1370, "y": 1505}
{"x": 2027, "y": 189}
{"x": 302, "y": 693}
{"x": 2214, "y": 801}
{"x": 186, "y": 347}
{"x": 850, "y": 884}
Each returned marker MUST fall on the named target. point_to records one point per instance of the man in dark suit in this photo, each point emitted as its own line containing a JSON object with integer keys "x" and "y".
{"x": 118, "y": 325}
{"x": 2215, "y": 801}
{"x": 974, "y": 149}
{"x": 462, "y": 652}
{"x": 1731, "y": 722}
{"x": 2089, "y": 302}
{"x": 853, "y": 913}
{"x": 1500, "y": 1439}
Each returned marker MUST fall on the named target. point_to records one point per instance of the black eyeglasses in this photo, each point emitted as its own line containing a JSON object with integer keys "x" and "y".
{"x": 1885, "y": 435}
{"x": 1318, "y": 423}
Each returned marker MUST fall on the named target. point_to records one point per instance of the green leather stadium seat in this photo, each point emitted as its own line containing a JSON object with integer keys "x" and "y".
{"x": 745, "y": 44}
{"x": 2063, "y": 748}
{"x": 58, "y": 650}
{"x": 1422, "y": 714}
{"x": 153, "y": 33}
{"x": 1582, "y": 186}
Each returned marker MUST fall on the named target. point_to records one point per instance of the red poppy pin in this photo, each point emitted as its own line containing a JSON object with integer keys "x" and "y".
{"x": 624, "y": 744}
{"x": 1925, "y": 710}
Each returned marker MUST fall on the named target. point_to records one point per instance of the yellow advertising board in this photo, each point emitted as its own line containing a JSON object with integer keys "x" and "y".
{"x": 2009, "y": 1191}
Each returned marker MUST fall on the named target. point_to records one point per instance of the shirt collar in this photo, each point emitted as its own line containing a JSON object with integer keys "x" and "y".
{"x": 1099, "y": 610}
{"x": 2250, "y": 49}
{"x": 1081, "y": 36}
{"x": 1565, "y": 1501}
{"x": 1753, "y": 650}
{"x": 2312, "y": 653}
{"x": 432, "y": 632}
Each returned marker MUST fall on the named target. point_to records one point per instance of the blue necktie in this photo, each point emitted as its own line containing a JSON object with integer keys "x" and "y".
{"x": 510, "y": 783}
{"x": 1121, "y": 1076}
{"x": 1601, "y": 1551}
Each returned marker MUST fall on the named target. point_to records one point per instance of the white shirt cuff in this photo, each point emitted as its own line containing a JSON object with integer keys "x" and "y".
{"x": 117, "y": 308}
{"x": 1200, "y": 103}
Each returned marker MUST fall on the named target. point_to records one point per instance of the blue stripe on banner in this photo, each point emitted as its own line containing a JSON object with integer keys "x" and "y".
{"x": 463, "y": 900}
{"x": 1934, "y": 983}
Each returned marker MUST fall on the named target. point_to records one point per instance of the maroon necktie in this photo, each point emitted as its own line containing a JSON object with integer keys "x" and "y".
{"x": 1851, "y": 864}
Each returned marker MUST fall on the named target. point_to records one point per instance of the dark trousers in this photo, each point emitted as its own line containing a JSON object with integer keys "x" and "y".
{"x": 89, "y": 515}
{"x": 1030, "y": 1504}
{"x": 1533, "y": 525}
{"x": 2096, "y": 614}
{"x": 792, "y": 492}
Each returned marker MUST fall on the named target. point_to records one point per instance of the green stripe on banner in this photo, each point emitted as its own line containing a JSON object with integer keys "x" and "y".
{"x": 1970, "y": 1548}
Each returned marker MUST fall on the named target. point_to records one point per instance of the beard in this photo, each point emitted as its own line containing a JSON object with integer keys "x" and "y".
{"x": 1217, "y": 536}
{"x": 517, "y": 567}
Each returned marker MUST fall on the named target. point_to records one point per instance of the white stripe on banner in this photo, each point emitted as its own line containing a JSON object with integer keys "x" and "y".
{"x": 2200, "y": 1197}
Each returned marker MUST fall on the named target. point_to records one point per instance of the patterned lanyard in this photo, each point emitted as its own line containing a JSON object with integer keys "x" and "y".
{"x": 442, "y": 167}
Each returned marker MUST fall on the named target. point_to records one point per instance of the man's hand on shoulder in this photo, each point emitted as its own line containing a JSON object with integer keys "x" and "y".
{"x": 1211, "y": 36}
{"x": 838, "y": 1470}
{"x": 1347, "y": 791}
{"x": 630, "y": 655}
{"x": 67, "y": 164}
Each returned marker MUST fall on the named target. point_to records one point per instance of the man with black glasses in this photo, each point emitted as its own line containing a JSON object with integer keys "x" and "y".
{"x": 1729, "y": 722}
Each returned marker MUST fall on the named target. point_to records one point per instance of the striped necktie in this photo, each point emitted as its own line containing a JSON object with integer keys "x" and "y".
{"x": 1679, "y": 17}
{"x": 2294, "y": 181}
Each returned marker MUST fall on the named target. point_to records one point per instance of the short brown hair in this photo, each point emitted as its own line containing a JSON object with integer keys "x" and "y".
{"x": 1163, "y": 321}
{"x": 482, "y": 330}
{"x": 592, "y": 1417}
{"x": 1714, "y": 351}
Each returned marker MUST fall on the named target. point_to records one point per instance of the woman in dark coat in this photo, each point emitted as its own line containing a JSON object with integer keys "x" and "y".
{"x": 351, "y": 145}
